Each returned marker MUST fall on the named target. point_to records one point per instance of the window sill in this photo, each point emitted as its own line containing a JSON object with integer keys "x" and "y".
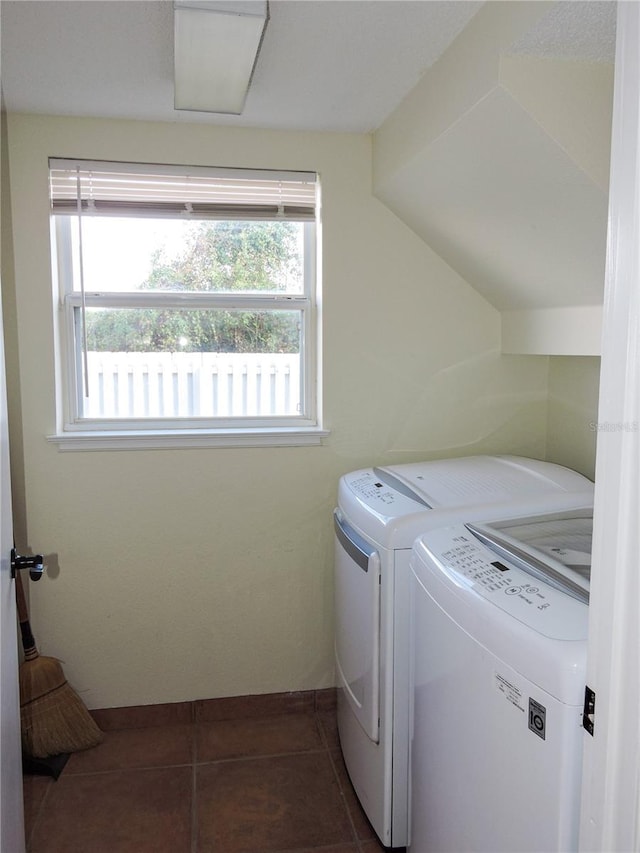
{"x": 174, "y": 439}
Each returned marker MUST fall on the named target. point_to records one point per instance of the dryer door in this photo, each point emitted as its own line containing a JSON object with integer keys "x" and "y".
{"x": 357, "y": 634}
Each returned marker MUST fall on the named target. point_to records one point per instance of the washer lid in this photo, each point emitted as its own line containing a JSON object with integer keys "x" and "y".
{"x": 555, "y": 548}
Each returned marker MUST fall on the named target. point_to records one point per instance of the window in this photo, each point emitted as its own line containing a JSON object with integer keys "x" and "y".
{"x": 188, "y": 298}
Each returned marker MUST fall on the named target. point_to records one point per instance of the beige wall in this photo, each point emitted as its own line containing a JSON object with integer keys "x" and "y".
{"x": 573, "y": 412}
{"x": 181, "y": 574}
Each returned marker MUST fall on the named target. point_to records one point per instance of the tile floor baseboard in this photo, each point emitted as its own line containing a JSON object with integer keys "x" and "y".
{"x": 242, "y": 775}
{"x": 232, "y": 707}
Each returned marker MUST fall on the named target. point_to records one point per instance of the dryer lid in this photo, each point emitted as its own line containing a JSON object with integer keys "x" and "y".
{"x": 471, "y": 480}
{"x": 553, "y": 547}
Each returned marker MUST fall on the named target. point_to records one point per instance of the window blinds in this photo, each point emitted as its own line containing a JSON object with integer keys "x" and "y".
{"x": 131, "y": 189}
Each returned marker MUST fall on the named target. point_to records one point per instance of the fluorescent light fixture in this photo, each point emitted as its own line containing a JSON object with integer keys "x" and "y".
{"x": 216, "y": 45}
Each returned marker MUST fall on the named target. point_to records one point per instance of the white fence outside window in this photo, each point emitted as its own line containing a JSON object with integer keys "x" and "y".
{"x": 170, "y": 385}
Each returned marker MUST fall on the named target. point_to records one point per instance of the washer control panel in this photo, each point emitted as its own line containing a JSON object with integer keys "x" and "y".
{"x": 470, "y": 559}
{"x": 456, "y": 552}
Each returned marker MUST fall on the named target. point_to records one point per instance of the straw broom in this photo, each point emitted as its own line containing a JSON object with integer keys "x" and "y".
{"x": 53, "y": 718}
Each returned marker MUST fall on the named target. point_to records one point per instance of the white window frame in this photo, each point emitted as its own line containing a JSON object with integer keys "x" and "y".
{"x": 77, "y": 432}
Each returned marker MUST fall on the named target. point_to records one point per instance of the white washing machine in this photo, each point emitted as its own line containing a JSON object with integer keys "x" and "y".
{"x": 379, "y": 515}
{"x": 498, "y": 658}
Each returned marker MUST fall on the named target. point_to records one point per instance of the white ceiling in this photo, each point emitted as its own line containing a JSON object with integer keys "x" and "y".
{"x": 324, "y": 64}
{"x": 340, "y": 65}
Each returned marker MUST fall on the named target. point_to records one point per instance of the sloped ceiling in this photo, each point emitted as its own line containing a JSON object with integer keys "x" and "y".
{"x": 499, "y": 159}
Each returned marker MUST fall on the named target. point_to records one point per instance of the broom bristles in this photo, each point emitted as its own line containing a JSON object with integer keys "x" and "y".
{"x": 54, "y": 720}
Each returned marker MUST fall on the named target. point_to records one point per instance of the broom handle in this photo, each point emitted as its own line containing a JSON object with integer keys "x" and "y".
{"x": 28, "y": 641}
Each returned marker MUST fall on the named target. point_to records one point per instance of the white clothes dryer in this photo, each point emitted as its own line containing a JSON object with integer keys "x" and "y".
{"x": 381, "y": 511}
{"x": 499, "y": 618}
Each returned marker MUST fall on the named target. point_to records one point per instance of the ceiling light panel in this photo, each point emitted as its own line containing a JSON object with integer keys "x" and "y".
{"x": 215, "y": 50}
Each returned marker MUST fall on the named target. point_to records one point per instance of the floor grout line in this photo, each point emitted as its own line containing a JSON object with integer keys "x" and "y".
{"x": 37, "y": 817}
{"x": 194, "y": 787}
{"x": 343, "y": 797}
{"x": 194, "y": 810}
{"x": 144, "y": 767}
{"x": 261, "y": 757}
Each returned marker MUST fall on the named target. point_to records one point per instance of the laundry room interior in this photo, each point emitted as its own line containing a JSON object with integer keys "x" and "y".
{"x": 462, "y": 265}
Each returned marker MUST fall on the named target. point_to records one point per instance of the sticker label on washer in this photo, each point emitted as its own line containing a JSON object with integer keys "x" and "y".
{"x": 510, "y": 691}
{"x": 537, "y": 718}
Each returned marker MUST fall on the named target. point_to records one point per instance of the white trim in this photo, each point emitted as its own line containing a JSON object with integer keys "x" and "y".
{"x": 570, "y": 330}
{"x": 69, "y": 415}
{"x": 611, "y": 783}
{"x": 191, "y": 300}
{"x": 176, "y": 439}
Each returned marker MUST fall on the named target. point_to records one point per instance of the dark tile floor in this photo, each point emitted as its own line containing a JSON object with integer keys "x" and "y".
{"x": 262, "y": 784}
